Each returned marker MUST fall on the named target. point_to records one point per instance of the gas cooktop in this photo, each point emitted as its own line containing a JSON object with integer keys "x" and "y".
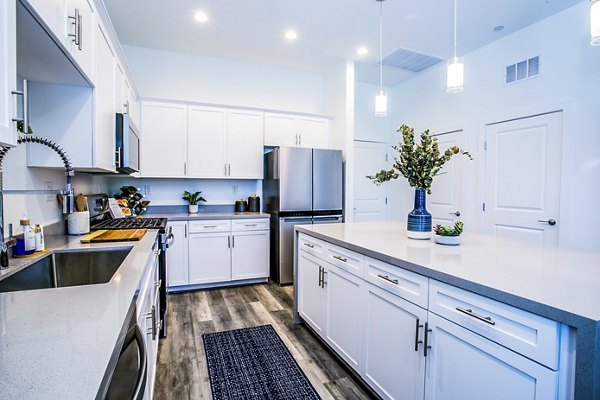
{"x": 131, "y": 223}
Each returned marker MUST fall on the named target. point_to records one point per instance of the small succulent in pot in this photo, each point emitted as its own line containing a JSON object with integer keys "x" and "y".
{"x": 448, "y": 235}
{"x": 193, "y": 199}
{"x": 456, "y": 230}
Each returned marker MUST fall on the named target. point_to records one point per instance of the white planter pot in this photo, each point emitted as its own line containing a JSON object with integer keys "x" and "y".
{"x": 193, "y": 208}
{"x": 447, "y": 240}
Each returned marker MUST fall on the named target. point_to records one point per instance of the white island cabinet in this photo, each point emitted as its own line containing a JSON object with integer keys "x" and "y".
{"x": 418, "y": 337}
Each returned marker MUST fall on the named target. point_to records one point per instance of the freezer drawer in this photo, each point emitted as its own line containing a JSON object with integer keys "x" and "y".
{"x": 284, "y": 266}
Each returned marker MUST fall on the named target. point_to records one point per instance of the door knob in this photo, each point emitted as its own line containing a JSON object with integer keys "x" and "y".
{"x": 550, "y": 221}
{"x": 457, "y": 213}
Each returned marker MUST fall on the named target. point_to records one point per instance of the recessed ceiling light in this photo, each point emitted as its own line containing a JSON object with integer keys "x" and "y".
{"x": 361, "y": 51}
{"x": 499, "y": 28}
{"x": 291, "y": 35}
{"x": 201, "y": 16}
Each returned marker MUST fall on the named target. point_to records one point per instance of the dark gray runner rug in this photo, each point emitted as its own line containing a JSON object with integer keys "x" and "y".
{"x": 253, "y": 363}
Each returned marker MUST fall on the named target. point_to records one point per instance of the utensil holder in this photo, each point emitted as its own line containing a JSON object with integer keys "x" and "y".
{"x": 78, "y": 223}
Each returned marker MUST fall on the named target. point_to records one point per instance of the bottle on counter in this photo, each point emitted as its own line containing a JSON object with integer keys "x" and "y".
{"x": 26, "y": 243}
{"x": 39, "y": 238}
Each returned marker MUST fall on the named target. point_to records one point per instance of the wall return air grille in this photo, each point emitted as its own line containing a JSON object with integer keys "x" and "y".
{"x": 523, "y": 70}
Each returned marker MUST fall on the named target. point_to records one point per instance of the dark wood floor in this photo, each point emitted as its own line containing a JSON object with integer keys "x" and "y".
{"x": 181, "y": 372}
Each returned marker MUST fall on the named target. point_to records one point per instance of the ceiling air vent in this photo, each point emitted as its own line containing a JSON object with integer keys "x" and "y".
{"x": 523, "y": 70}
{"x": 410, "y": 60}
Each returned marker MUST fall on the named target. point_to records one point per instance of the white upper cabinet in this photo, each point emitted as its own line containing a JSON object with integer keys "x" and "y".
{"x": 104, "y": 102}
{"x": 80, "y": 18}
{"x": 206, "y": 142}
{"x": 245, "y": 144}
{"x": 201, "y": 142}
{"x": 163, "y": 141}
{"x": 8, "y": 73}
{"x": 52, "y": 13}
{"x": 120, "y": 99}
{"x": 296, "y": 131}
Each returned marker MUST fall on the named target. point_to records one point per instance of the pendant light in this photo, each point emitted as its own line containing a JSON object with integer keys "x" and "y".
{"x": 381, "y": 97}
{"x": 595, "y": 22}
{"x": 455, "y": 69}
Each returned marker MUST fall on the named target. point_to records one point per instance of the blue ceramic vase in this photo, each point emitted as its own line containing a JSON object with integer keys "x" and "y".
{"x": 419, "y": 219}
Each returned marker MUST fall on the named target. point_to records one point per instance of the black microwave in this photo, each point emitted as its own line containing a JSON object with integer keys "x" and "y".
{"x": 127, "y": 145}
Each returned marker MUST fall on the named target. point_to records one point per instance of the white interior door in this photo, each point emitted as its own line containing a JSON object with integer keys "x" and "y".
{"x": 369, "y": 199}
{"x": 522, "y": 171}
{"x": 445, "y": 203}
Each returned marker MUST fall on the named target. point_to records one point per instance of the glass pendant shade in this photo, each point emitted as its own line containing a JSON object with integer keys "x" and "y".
{"x": 595, "y": 22}
{"x": 455, "y": 75}
{"x": 381, "y": 104}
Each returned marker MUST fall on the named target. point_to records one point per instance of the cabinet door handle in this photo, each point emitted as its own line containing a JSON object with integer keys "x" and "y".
{"x": 417, "y": 341}
{"x": 185, "y": 230}
{"x": 228, "y": 169}
{"x": 232, "y": 241}
{"x": 312, "y": 246}
{"x": 470, "y": 313}
{"x": 324, "y": 282}
{"x": 387, "y": 278}
{"x": 426, "y": 345}
{"x": 299, "y": 139}
{"x": 25, "y": 105}
{"x": 185, "y": 168}
{"x": 228, "y": 241}
{"x": 118, "y": 157}
{"x": 77, "y": 31}
{"x": 320, "y": 275}
{"x": 342, "y": 259}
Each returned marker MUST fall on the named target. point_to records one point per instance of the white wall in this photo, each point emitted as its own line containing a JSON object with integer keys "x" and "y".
{"x": 367, "y": 126}
{"x": 570, "y": 80}
{"x": 21, "y": 184}
{"x": 163, "y": 74}
{"x": 169, "y": 191}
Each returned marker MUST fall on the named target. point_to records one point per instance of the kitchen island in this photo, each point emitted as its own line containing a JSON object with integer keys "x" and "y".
{"x": 58, "y": 343}
{"x": 551, "y": 284}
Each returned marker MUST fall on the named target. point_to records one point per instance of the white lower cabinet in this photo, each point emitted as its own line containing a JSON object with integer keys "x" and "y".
{"x": 464, "y": 365}
{"x": 393, "y": 363}
{"x": 217, "y": 251}
{"x": 177, "y": 256}
{"x": 344, "y": 314}
{"x": 411, "y": 337}
{"x": 330, "y": 301}
{"x": 209, "y": 257}
{"x": 311, "y": 293}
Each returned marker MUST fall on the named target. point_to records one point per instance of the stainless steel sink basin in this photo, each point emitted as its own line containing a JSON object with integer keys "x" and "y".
{"x": 72, "y": 268}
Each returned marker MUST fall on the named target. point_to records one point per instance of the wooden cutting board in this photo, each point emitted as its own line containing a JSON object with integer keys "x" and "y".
{"x": 120, "y": 235}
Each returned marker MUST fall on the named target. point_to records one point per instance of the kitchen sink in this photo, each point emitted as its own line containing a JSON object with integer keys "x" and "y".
{"x": 73, "y": 268}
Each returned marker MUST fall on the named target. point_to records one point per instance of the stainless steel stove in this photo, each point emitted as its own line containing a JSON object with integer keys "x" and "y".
{"x": 131, "y": 223}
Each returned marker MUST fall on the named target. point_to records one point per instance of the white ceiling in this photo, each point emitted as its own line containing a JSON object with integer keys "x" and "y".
{"x": 329, "y": 30}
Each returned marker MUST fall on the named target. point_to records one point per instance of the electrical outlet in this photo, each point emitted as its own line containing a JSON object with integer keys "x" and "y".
{"x": 235, "y": 190}
{"x": 147, "y": 190}
{"x": 49, "y": 186}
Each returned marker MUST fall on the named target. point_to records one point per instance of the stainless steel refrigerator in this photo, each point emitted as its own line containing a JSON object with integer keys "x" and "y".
{"x": 302, "y": 186}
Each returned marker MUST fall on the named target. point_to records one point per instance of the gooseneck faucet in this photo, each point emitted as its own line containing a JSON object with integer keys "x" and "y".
{"x": 68, "y": 200}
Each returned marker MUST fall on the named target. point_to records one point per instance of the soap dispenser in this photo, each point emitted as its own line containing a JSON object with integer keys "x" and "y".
{"x": 26, "y": 243}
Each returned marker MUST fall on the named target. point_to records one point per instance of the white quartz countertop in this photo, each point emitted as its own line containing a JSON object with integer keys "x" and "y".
{"x": 556, "y": 282}
{"x": 208, "y": 216}
{"x": 56, "y": 343}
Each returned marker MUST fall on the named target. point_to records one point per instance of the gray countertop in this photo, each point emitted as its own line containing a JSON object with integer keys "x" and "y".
{"x": 558, "y": 283}
{"x": 57, "y": 343}
{"x": 208, "y": 216}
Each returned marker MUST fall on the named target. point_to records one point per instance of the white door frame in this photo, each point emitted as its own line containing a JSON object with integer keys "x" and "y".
{"x": 566, "y": 106}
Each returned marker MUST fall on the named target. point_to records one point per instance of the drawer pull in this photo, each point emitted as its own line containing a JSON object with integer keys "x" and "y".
{"x": 210, "y": 226}
{"x": 312, "y": 246}
{"x": 250, "y": 224}
{"x": 387, "y": 278}
{"x": 342, "y": 259}
{"x": 470, "y": 313}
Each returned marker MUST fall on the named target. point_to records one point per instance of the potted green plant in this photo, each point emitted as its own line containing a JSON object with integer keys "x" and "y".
{"x": 193, "y": 199}
{"x": 419, "y": 163}
{"x": 448, "y": 235}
